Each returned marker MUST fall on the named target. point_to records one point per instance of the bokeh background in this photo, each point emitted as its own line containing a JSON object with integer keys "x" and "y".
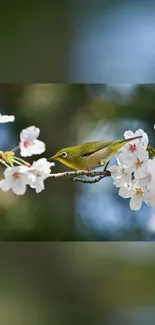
{"x": 69, "y": 114}
{"x": 78, "y": 41}
{"x": 77, "y": 283}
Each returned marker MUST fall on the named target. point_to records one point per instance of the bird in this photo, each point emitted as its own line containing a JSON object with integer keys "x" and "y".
{"x": 90, "y": 155}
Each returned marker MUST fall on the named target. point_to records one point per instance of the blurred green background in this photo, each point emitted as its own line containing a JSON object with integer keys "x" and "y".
{"x": 69, "y": 114}
{"x": 77, "y": 283}
{"x": 78, "y": 41}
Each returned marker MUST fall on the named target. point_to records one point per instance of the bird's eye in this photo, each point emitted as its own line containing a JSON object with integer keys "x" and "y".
{"x": 64, "y": 154}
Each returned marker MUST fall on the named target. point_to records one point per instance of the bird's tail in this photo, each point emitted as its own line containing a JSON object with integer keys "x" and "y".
{"x": 117, "y": 145}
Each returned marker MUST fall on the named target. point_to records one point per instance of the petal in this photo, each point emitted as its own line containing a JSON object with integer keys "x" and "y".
{"x": 124, "y": 192}
{"x": 40, "y": 186}
{"x": 24, "y": 152}
{"x": 142, "y": 155}
{"x": 136, "y": 202}
{"x": 31, "y": 178}
{"x": 37, "y": 147}
{"x": 39, "y": 162}
{"x": 30, "y": 133}
{"x": 128, "y": 134}
{"x": 141, "y": 172}
{"x": 118, "y": 182}
{"x": 8, "y": 172}
{"x": 143, "y": 142}
{"x": 142, "y": 133}
{"x": 23, "y": 135}
{"x": 144, "y": 181}
{"x": 146, "y": 198}
{"x": 115, "y": 170}
{"x": 6, "y": 118}
{"x": 18, "y": 187}
{"x": 5, "y": 185}
{"x": 126, "y": 159}
{"x": 33, "y": 132}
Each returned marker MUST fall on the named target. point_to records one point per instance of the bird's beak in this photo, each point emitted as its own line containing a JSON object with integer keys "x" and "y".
{"x": 52, "y": 158}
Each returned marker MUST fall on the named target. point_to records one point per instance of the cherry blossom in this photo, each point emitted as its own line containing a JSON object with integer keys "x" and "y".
{"x": 16, "y": 178}
{"x": 134, "y": 174}
{"x": 137, "y": 164}
{"x": 29, "y": 145}
{"x": 40, "y": 170}
{"x": 137, "y": 194}
{"x": 6, "y": 118}
{"x": 135, "y": 145}
{"x": 120, "y": 175}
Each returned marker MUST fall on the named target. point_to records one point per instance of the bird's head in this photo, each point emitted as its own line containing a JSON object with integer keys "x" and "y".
{"x": 67, "y": 156}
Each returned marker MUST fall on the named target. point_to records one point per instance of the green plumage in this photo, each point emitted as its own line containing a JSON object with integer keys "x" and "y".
{"x": 89, "y": 147}
{"x": 90, "y": 155}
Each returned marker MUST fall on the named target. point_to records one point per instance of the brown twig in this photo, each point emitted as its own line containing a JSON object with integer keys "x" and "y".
{"x": 73, "y": 175}
{"x": 86, "y": 181}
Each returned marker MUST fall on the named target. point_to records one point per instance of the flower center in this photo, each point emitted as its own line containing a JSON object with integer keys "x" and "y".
{"x": 16, "y": 175}
{"x": 132, "y": 147}
{"x": 27, "y": 143}
{"x": 139, "y": 163}
{"x": 139, "y": 191}
{"x": 36, "y": 173}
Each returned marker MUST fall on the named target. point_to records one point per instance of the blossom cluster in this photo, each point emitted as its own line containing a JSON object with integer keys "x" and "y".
{"x": 18, "y": 173}
{"x": 135, "y": 173}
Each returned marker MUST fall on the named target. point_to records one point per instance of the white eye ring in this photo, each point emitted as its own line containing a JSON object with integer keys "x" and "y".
{"x": 64, "y": 154}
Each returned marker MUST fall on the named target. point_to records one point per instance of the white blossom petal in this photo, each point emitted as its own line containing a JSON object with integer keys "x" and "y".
{"x": 16, "y": 178}
{"x": 135, "y": 145}
{"x": 39, "y": 185}
{"x": 37, "y": 147}
{"x": 136, "y": 202}
{"x": 128, "y": 134}
{"x": 125, "y": 192}
{"x": 5, "y": 185}
{"x": 29, "y": 145}
{"x": 40, "y": 169}
{"x": 19, "y": 187}
{"x": 6, "y": 118}
{"x": 30, "y": 133}
{"x": 141, "y": 171}
{"x": 115, "y": 171}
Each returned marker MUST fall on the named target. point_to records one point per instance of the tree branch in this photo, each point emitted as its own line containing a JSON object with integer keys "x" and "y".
{"x": 73, "y": 175}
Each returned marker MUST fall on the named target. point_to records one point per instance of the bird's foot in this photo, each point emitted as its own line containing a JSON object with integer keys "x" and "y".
{"x": 105, "y": 168}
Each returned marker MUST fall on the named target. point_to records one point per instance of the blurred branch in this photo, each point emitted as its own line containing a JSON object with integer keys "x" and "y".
{"x": 74, "y": 176}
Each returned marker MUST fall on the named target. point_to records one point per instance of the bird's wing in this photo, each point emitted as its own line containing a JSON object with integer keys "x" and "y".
{"x": 88, "y": 148}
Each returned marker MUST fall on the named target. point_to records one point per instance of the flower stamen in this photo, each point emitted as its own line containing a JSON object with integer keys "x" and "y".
{"x": 132, "y": 147}
{"x": 139, "y": 163}
{"x": 16, "y": 175}
{"x": 139, "y": 191}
